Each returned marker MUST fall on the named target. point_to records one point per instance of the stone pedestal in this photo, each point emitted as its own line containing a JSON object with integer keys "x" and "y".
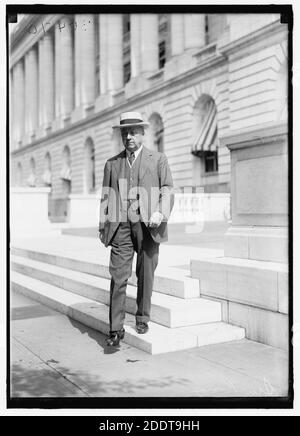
{"x": 84, "y": 210}
{"x": 259, "y": 188}
{"x": 29, "y": 213}
{"x": 251, "y": 280}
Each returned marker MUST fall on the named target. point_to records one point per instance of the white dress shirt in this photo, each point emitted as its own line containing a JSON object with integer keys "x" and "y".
{"x": 136, "y": 153}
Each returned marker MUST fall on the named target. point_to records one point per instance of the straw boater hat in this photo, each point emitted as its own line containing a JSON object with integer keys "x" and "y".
{"x": 129, "y": 119}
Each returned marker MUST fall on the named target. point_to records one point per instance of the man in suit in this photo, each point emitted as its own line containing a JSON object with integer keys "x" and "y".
{"x": 136, "y": 202}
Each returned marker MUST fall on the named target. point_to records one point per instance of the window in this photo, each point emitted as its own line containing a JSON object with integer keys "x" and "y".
{"x": 32, "y": 177}
{"x": 20, "y": 175}
{"x": 90, "y": 180}
{"x": 205, "y": 144}
{"x": 210, "y": 161}
{"x": 163, "y": 39}
{"x": 162, "y": 54}
{"x": 126, "y": 49}
{"x": 156, "y": 133}
{"x": 126, "y": 72}
{"x": 65, "y": 172}
{"x": 215, "y": 25}
{"x": 47, "y": 176}
{"x": 126, "y": 24}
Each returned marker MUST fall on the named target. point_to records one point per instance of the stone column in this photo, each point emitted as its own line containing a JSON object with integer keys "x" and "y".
{"x": 187, "y": 35}
{"x": 194, "y": 30}
{"x": 27, "y": 94}
{"x": 31, "y": 93}
{"x": 12, "y": 107}
{"x": 41, "y": 85}
{"x": 58, "y": 64}
{"x": 19, "y": 101}
{"x": 87, "y": 59}
{"x": 135, "y": 44}
{"x": 77, "y": 56}
{"x": 66, "y": 74}
{"x": 177, "y": 34}
{"x": 103, "y": 52}
{"x": 115, "y": 52}
{"x": 149, "y": 42}
{"x": 48, "y": 73}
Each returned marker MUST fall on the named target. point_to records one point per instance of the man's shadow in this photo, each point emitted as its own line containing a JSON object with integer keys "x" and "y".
{"x": 96, "y": 335}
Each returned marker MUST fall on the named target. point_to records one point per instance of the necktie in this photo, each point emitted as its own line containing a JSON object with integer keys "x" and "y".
{"x": 131, "y": 158}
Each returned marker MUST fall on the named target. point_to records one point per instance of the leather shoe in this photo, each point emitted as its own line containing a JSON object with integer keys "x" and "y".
{"x": 114, "y": 338}
{"x": 142, "y": 327}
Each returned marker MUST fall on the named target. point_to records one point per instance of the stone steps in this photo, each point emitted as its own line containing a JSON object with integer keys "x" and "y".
{"x": 159, "y": 339}
{"x": 251, "y": 282}
{"x": 254, "y": 295}
{"x": 171, "y": 281}
{"x": 166, "y": 310}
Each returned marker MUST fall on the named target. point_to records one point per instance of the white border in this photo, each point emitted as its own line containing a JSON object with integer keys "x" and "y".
{"x": 296, "y": 183}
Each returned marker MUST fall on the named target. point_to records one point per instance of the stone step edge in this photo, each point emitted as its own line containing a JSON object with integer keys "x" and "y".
{"x": 185, "y": 287}
{"x": 173, "y": 339}
{"x": 235, "y": 262}
{"x": 168, "y": 312}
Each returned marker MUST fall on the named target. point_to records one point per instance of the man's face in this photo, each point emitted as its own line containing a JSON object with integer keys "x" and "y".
{"x": 132, "y": 137}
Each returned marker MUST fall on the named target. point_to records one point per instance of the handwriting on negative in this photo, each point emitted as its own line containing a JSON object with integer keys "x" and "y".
{"x": 68, "y": 24}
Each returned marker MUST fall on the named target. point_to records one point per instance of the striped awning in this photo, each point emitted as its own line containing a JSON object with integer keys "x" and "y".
{"x": 207, "y": 139}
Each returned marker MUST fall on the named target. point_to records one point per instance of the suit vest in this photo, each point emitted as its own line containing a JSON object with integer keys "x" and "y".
{"x": 132, "y": 177}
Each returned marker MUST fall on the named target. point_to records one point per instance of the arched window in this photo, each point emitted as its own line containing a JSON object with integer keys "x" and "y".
{"x": 19, "y": 174}
{"x": 205, "y": 143}
{"x": 89, "y": 166}
{"x": 65, "y": 172}
{"x": 32, "y": 177}
{"x": 47, "y": 176}
{"x": 156, "y": 133}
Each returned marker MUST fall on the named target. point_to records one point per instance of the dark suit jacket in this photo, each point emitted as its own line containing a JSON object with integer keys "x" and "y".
{"x": 154, "y": 172}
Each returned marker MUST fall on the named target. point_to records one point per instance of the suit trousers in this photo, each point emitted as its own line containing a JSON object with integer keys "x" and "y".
{"x": 131, "y": 237}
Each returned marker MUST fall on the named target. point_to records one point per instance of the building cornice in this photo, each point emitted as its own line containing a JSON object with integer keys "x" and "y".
{"x": 258, "y": 135}
{"x": 135, "y": 100}
{"x": 262, "y": 34}
{"x": 218, "y": 59}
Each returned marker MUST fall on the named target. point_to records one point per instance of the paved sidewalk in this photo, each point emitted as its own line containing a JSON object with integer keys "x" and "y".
{"x": 54, "y": 356}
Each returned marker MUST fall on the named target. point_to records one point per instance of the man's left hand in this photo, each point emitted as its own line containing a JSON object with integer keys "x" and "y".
{"x": 156, "y": 219}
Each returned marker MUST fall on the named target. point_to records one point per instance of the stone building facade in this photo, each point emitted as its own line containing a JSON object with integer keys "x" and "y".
{"x": 194, "y": 77}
